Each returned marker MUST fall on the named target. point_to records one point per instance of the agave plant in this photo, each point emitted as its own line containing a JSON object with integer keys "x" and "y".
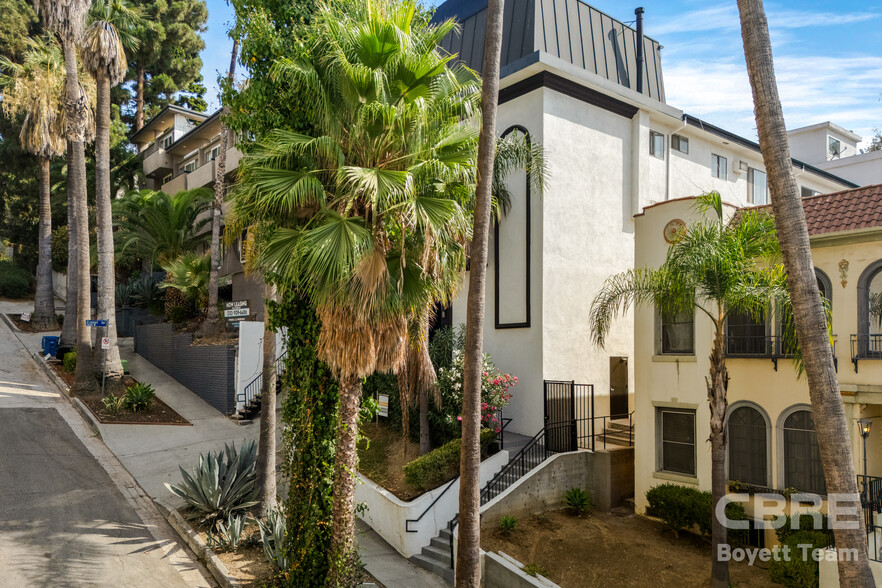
{"x": 229, "y": 534}
{"x": 146, "y": 292}
{"x": 272, "y": 536}
{"x": 223, "y": 483}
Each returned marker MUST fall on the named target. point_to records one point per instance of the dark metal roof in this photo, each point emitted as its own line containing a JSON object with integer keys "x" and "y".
{"x": 569, "y": 29}
{"x": 170, "y": 108}
{"x": 739, "y": 140}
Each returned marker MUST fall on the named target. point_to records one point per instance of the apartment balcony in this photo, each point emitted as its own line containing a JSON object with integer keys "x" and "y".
{"x": 865, "y": 346}
{"x": 176, "y": 184}
{"x": 771, "y": 347}
{"x": 157, "y": 162}
{"x": 202, "y": 176}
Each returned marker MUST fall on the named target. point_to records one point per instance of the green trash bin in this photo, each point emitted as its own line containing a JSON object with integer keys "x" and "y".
{"x": 125, "y": 364}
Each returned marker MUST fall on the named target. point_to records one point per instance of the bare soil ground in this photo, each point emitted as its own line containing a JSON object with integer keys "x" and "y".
{"x": 383, "y": 458}
{"x": 159, "y": 412}
{"x": 602, "y": 549}
{"x": 26, "y": 327}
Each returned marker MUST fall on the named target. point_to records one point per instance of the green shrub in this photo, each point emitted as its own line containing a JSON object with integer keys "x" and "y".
{"x": 430, "y": 470}
{"x": 534, "y": 569}
{"x": 179, "y": 314}
{"x": 806, "y": 523}
{"x": 682, "y": 508}
{"x": 797, "y": 571}
{"x": 113, "y": 404}
{"x": 507, "y": 523}
{"x": 60, "y": 318}
{"x": 222, "y": 483}
{"x": 139, "y": 397}
{"x": 70, "y": 362}
{"x": 15, "y": 282}
{"x": 229, "y": 534}
{"x": 577, "y": 501}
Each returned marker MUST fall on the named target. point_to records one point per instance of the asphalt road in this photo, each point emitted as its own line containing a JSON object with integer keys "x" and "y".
{"x": 63, "y": 520}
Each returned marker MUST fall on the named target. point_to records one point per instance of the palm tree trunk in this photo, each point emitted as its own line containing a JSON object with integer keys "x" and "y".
{"x": 718, "y": 384}
{"x": 69, "y": 328}
{"x": 425, "y": 440}
{"x": 404, "y": 400}
{"x": 84, "y": 378}
{"x": 109, "y": 359}
{"x": 139, "y": 100}
{"x": 44, "y": 300}
{"x": 213, "y": 325}
{"x": 808, "y": 312}
{"x": 345, "y": 465}
{"x": 266, "y": 448}
{"x": 468, "y": 569}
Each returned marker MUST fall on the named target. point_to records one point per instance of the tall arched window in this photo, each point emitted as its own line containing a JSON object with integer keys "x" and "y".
{"x": 802, "y": 460}
{"x": 788, "y": 329}
{"x": 748, "y": 446}
{"x": 869, "y": 336}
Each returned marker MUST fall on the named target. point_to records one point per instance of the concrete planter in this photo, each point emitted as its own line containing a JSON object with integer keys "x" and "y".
{"x": 209, "y": 371}
{"x": 388, "y": 515}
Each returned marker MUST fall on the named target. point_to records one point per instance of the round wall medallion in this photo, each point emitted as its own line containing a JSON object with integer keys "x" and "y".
{"x": 675, "y": 230}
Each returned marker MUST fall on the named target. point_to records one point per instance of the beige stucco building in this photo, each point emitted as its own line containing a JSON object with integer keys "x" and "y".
{"x": 772, "y": 443}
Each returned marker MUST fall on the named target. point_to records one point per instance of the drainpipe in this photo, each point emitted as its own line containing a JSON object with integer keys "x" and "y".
{"x": 639, "y": 13}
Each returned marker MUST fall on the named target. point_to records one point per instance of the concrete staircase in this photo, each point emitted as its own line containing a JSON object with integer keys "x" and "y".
{"x": 435, "y": 557}
{"x": 618, "y": 433}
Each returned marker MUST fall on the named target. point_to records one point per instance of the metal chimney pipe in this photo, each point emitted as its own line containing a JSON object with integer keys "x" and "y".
{"x": 639, "y": 13}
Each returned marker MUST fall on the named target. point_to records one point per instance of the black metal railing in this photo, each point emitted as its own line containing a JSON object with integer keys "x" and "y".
{"x": 865, "y": 346}
{"x": 499, "y": 435}
{"x": 537, "y": 450}
{"x": 773, "y": 347}
{"x": 253, "y": 388}
{"x": 871, "y": 496}
{"x": 874, "y": 544}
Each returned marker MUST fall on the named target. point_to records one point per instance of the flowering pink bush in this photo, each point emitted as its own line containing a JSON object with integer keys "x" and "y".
{"x": 495, "y": 387}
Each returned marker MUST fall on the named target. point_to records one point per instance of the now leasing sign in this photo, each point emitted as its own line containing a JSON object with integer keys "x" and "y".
{"x": 237, "y": 309}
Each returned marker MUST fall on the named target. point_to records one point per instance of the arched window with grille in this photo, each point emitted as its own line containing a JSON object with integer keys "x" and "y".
{"x": 802, "y": 467}
{"x": 748, "y": 446}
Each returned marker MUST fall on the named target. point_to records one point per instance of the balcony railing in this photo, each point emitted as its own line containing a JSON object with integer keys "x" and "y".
{"x": 773, "y": 347}
{"x": 865, "y": 346}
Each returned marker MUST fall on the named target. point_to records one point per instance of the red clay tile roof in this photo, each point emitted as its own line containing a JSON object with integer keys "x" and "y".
{"x": 858, "y": 208}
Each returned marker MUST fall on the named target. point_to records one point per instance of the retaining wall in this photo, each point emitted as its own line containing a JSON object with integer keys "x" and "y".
{"x": 209, "y": 371}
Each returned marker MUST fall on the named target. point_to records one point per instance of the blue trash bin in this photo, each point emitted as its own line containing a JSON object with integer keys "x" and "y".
{"x": 50, "y": 345}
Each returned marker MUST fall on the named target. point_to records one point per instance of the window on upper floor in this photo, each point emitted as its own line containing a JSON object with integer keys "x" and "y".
{"x": 167, "y": 178}
{"x": 189, "y": 166}
{"x": 676, "y": 334}
{"x": 788, "y": 328}
{"x": 680, "y": 143}
{"x": 656, "y": 144}
{"x": 834, "y": 147}
{"x": 806, "y": 192}
{"x": 757, "y": 187}
{"x": 675, "y": 441}
{"x": 213, "y": 152}
{"x": 802, "y": 458}
{"x": 719, "y": 167}
{"x": 167, "y": 141}
{"x": 746, "y": 335}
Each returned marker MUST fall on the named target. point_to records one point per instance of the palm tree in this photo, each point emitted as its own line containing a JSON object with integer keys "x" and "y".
{"x": 213, "y": 324}
{"x": 67, "y": 19}
{"x": 159, "y": 228}
{"x": 468, "y": 572}
{"x": 717, "y": 268}
{"x": 105, "y": 58}
{"x": 33, "y": 88}
{"x": 361, "y": 207}
{"x": 808, "y": 311}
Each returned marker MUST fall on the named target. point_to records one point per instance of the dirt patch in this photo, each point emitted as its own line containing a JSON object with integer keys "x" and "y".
{"x": 27, "y": 327}
{"x": 605, "y": 550}
{"x": 383, "y": 458}
{"x": 159, "y": 412}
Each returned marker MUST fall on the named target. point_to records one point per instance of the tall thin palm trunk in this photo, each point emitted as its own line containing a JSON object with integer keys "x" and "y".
{"x": 345, "y": 462}
{"x": 213, "y": 324}
{"x": 808, "y": 311}
{"x": 139, "y": 99}
{"x": 266, "y": 448}
{"x": 84, "y": 378}
{"x": 44, "y": 300}
{"x": 69, "y": 328}
{"x": 468, "y": 569}
{"x": 109, "y": 359}
{"x": 717, "y": 386}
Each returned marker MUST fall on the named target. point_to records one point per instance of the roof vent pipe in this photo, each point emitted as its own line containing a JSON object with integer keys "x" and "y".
{"x": 639, "y": 13}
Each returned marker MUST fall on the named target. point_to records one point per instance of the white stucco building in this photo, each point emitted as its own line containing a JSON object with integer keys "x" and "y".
{"x": 571, "y": 79}
{"x": 835, "y": 149}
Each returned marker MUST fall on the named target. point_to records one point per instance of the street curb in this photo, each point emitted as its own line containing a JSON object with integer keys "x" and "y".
{"x": 11, "y": 325}
{"x": 203, "y": 553}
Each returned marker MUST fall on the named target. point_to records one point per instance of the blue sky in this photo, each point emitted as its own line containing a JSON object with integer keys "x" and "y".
{"x": 828, "y": 59}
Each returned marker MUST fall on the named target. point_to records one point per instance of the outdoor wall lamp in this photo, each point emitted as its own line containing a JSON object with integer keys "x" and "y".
{"x": 864, "y": 426}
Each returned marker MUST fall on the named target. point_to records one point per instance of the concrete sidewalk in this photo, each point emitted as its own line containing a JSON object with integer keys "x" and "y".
{"x": 153, "y": 453}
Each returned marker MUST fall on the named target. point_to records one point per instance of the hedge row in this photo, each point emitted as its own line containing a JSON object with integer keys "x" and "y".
{"x": 683, "y": 509}
{"x": 430, "y": 470}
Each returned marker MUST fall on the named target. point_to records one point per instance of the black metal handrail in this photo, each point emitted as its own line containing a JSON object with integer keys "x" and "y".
{"x": 253, "y": 388}
{"x": 865, "y": 346}
{"x": 535, "y": 452}
{"x": 773, "y": 347}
